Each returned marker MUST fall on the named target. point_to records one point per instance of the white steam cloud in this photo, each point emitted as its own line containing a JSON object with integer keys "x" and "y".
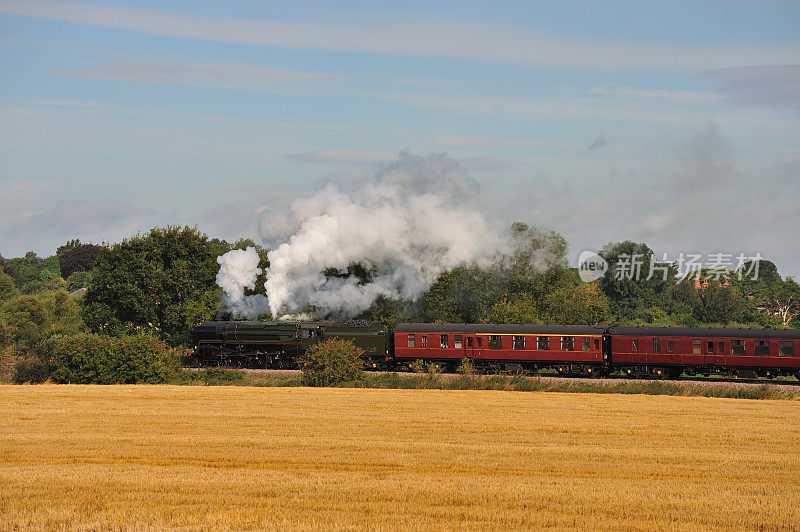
{"x": 238, "y": 269}
{"x": 414, "y": 220}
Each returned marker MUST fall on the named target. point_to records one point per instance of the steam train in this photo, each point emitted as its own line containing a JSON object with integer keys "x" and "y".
{"x": 576, "y": 350}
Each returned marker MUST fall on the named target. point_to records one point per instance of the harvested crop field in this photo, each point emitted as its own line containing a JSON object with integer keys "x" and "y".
{"x": 100, "y": 457}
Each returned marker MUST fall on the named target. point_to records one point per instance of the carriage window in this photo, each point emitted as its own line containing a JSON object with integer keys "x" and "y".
{"x": 443, "y": 341}
{"x": 543, "y": 343}
{"x": 720, "y": 347}
{"x": 457, "y": 341}
{"x": 424, "y": 341}
{"x": 656, "y": 345}
{"x": 762, "y": 348}
{"x": 411, "y": 340}
{"x": 567, "y": 343}
{"x": 306, "y": 333}
{"x": 519, "y": 342}
{"x": 634, "y": 345}
{"x": 697, "y": 347}
{"x": 737, "y": 347}
{"x": 469, "y": 341}
{"x": 597, "y": 343}
{"x": 586, "y": 344}
{"x": 495, "y": 341}
{"x": 479, "y": 341}
{"x": 786, "y": 348}
{"x": 710, "y": 347}
{"x": 670, "y": 346}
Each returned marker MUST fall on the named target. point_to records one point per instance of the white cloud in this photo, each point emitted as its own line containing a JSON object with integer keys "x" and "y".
{"x": 205, "y": 74}
{"x": 91, "y": 221}
{"x": 428, "y": 36}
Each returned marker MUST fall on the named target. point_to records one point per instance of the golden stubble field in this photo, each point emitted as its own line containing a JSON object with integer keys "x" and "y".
{"x": 106, "y": 457}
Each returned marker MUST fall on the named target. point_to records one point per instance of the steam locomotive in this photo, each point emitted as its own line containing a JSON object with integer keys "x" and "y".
{"x": 576, "y": 350}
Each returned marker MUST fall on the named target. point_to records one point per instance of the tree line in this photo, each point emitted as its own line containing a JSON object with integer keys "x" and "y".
{"x": 153, "y": 288}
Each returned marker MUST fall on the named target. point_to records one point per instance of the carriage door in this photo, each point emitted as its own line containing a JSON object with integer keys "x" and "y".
{"x": 469, "y": 345}
{"x": 710, "y": 349}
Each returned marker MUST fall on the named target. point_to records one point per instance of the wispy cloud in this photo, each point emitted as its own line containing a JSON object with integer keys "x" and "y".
{"x": 622, "y": 91}
{"x": 343, "y": 156}
{"x": 759, "y": 85}
{"x": 473, "y": 143}
{"x": 489, "y": 165}
{"x": 205, "y": 74}
{"x": 26, "y": 186}
{"x": 428, "y": 36}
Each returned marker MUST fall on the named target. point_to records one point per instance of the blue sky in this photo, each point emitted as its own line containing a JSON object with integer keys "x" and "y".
{"x": 673, "y": 123}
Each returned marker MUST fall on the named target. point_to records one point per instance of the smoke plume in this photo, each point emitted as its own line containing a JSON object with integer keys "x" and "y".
{"x": 415, "y": 219}
{"x": 238, "y": 269}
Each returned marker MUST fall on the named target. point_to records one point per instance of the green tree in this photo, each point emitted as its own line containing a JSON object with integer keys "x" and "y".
{"x": 25, "y": 271}
{"x": 784, "y": 301}
{"x": 517, "y": 309}
{"x": 535, "y": 250}
{"x": 512, "y": 290}
{"x": 580, "y": 304}
{"x": 714, "y": 303}
{"x": 30, "y": 319}
{"x": 78, "y": 280}
{"x": 80, "y": 258}
{"x": 628, "y": 285}
{"x": 162, "y": 282}
{"x": 462, "y": 295}
{"x": 7, "y": 287}
{"x": 71, "y": 244}
{"x": 774, "y": 300}
{"x": 26, "y": 320}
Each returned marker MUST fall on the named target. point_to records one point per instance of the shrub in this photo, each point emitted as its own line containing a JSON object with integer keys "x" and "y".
{"x": 418, "y": 366}
{"x": 30, "y": 370}
{"x": 331, "y": 362}
{"x": 95, "y": 359}
{"x": 466, "y": 367}
{"x": 431, "y": 368}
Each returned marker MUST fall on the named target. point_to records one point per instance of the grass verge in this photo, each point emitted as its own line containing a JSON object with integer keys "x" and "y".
{"x": 395, "y": 381}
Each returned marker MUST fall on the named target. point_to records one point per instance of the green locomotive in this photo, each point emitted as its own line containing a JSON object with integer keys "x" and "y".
{"x": 278, "y": 344}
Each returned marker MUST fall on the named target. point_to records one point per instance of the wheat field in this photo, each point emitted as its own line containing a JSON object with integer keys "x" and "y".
{"x": 156, "y": 457}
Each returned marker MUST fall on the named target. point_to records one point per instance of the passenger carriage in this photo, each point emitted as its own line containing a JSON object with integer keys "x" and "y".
{"x": 570, "y": 349}
{"x": 660, "y": 351}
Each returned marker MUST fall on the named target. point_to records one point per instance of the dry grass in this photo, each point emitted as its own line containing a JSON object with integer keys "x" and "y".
{"x": 195, "y": 457}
